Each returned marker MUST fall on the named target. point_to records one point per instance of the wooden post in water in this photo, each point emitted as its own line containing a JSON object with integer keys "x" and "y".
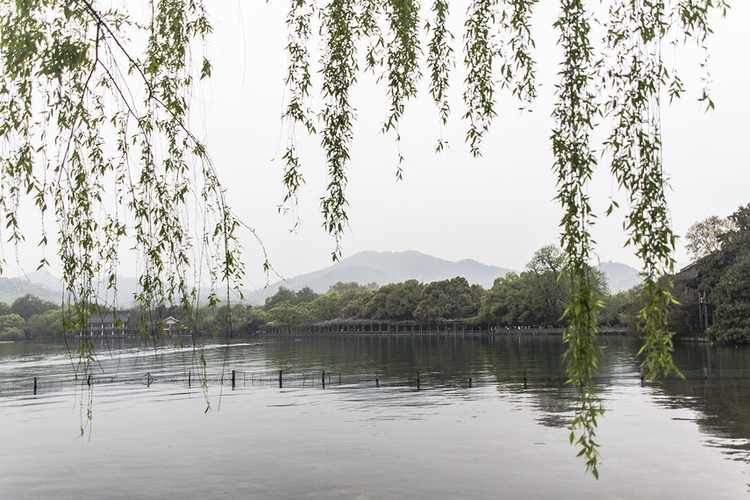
{"x": 469, "y": 381}
{"x": 88, "y": 380}
{"x": 233, "y": 378}
{"x": 34, "y": 386}
{"x": 280, "y": 381}
{"x": 377, "y": 382}
{"x": 418, "y": 381}
{"x": 525, "y": 380}
{"x": 190, "y": 376}
{"x": 148, "y": 379}
{"x": 323, "y": 378}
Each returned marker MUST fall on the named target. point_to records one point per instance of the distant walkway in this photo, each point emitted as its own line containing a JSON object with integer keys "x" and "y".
{"x": 445, "y": 327}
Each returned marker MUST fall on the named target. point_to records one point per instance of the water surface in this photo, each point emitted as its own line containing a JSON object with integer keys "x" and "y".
{"x": 147, "y": 433}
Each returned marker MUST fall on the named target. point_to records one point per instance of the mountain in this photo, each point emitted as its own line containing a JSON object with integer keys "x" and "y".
{"x": 363, "y": 267}
{"x": 12, "y": 288}
{"x": 126, "y": 286}
{"x": 620, "y": 276}
{"x": 386, "y": 267}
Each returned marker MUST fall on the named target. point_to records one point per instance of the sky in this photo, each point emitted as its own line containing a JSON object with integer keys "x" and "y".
{"x": 497, "y": 209}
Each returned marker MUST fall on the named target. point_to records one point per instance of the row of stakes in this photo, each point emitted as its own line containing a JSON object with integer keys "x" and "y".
{"x": 149, "y": 379}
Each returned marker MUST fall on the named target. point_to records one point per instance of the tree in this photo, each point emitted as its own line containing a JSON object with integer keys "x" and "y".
{"x": 548, "y": 259}
{"x": 282, "y": 295}
{"x": 11, "y": 326}
{"x": 550, "y": 292}
{"x": 29, "y": 305}
{"x": 704, "y": 237}
{"x": 326, "y": 306}
{"x": 720, "y": 278}
{"x": 285, "y": 295}
{"x": 732, "y": 299}
{"x": 304, "y": 296}
{"x": 46, "y": 324}
{"x": 396, "y": 301}
{"x": 287, "y": 314}
{"x": 448, "y": 299}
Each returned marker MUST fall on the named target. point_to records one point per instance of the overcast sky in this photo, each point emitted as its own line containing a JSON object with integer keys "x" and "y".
{"x": 497, "y": 209}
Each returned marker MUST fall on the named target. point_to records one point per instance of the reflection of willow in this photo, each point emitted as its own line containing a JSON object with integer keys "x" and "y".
{"x": 717, "y": 385}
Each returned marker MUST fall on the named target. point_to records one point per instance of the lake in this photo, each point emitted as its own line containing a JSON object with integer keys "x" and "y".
{"x": 166, "y": 422}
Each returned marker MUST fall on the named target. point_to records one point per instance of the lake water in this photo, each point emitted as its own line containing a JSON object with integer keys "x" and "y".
{"x": 353, "y": 439}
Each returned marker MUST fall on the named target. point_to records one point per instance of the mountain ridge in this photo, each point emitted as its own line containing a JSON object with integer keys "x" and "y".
{"x": 369, "y": 266}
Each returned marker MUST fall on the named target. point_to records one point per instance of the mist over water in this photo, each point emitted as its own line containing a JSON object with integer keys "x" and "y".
{"x": 157, "y": 432}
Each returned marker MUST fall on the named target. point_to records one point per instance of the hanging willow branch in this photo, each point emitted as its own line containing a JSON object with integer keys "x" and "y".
{"x": 439, "y": 62}
{"x": 89, "y": 128}
{"x": 575, "y": 113}
{"x": 96, "y": 132}
{"x": 298, "y": 82}
{"x": 339, "y": 75}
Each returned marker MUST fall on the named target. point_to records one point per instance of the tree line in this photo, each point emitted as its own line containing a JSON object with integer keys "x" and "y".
{"x": 535, "y": 297}
{"x": 30, "y": 317}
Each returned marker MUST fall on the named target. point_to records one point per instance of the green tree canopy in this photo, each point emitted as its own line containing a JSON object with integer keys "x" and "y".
{"x": 45, "y": 324}
{"x": 11, "y": 326}
{"x": 449, "y": 299}
{"x": 29, "y": 305}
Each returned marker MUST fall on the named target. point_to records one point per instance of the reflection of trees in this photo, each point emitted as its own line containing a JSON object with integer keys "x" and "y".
{"x": 396, "y": 358}
{"x": 546, "y": 392}
{"x": 451, "y": 360}
{"x": 721, "y": 400}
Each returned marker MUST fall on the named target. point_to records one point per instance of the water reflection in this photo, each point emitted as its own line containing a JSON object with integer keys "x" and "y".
{"x": 371, "y": 381}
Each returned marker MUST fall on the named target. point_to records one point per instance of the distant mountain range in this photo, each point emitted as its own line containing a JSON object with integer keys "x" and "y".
{"x": 386, "y": 267}
{"x": 46, "y": 285}
{"x": 363, "y": 267}
{"x": 12, "y": 288}
{"x": 392, "y": 267}
{"x": 620, "y": 276}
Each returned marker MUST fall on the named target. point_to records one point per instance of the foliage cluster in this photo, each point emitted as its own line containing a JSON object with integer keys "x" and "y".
{"x": 30, "y": 317}
{"x": 722, "y": 276}
{"x": 535, "y": 297}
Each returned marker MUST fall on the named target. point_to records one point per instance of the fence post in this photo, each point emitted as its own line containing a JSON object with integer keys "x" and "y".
{"x": 233, "y": 378}
{"x": 377, "y": 382}
{"x": 323, "y": 378}
{"x": 525, "y": 380}
{"x": 280, "y": 382}
{"x": 469, "y": 381}
{"x": 148, "y": 379}
{"x": 34, "y": 386}
{"x": 419, "y": 382}
{"x": 190, "y": 376}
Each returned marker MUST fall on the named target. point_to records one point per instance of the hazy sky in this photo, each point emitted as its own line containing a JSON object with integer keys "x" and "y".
{"x": 497, "y": 209}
